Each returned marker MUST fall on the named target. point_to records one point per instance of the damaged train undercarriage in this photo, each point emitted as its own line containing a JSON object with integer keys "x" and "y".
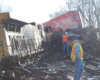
{"x": 52, "y": 64}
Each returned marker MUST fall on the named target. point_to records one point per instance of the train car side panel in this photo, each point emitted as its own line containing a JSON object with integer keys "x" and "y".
{"x": 69, "y": 20}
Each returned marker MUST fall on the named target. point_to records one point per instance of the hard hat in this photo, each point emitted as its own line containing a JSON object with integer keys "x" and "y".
{"x": 66, "y": 32}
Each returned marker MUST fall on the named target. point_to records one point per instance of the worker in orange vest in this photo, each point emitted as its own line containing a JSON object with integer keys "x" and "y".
{"x": 77, "y": 57}
{"x": 65, "y": 42}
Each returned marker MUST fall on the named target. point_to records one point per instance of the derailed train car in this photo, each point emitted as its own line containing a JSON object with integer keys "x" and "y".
{"x": 34, "y": 38}
{"x": 20, "y": 38}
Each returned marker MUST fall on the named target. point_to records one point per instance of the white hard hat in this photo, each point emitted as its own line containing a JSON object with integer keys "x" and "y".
{"x": 66, "y": 32}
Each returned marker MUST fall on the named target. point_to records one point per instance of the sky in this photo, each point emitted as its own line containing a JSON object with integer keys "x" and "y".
{"x": 35, "y": 10}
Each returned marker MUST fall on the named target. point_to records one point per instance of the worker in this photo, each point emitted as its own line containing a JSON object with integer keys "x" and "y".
{"x": 65, "y": 42}
{"x": 77, "y": 57}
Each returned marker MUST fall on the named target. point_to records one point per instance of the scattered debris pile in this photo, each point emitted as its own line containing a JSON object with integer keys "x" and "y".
{"x": 91, "y": 39}
{"x": 53, "y": 64}
{"x": 49, "y": 65}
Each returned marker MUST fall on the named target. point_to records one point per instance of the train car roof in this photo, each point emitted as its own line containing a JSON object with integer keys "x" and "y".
{"x": 15, "y": 22}
{"x": 12, "y": 19}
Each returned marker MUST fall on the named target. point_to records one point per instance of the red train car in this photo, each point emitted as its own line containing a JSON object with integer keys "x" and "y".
{"x": 69, "y": 20}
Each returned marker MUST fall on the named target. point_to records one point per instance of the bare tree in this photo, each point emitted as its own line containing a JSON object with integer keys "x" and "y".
{"x": 89, "y": 10}
{"x": 64, "y": 8}
{"x": 5, "y": 6}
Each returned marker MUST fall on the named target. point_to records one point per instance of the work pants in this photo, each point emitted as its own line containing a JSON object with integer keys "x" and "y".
{"x": 65, "y": 46}
{"x": 78, "y": 69}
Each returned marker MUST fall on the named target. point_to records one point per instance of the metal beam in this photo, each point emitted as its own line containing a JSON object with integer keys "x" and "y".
{"x": 20, "y": 25}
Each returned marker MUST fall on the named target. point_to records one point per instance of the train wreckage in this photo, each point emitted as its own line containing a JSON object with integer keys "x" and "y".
{"x": 26, "y": 55}
{"x": 16, "y": 35}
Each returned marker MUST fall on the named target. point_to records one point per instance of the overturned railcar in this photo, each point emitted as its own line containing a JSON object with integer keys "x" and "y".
{"x": 34, "y": 38}
{"x": 18, "y": 38}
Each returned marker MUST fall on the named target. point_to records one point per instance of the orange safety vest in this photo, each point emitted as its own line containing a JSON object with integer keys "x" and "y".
{"x": 73, "y": 56}
{"x": 65, "y": 38}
